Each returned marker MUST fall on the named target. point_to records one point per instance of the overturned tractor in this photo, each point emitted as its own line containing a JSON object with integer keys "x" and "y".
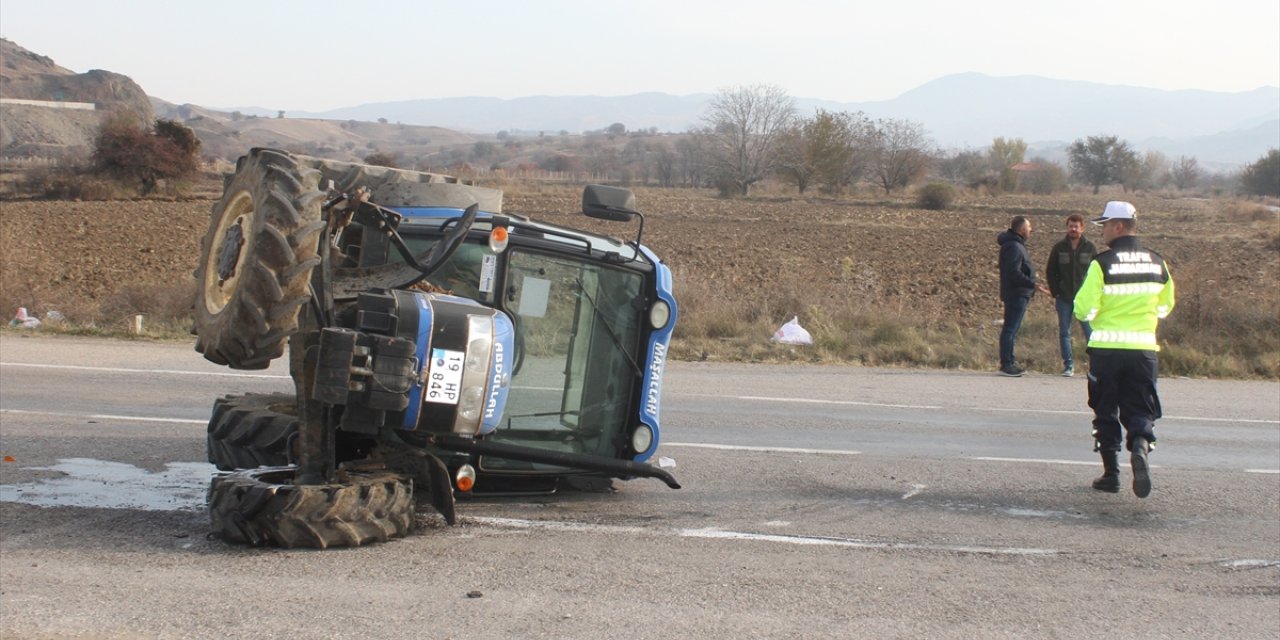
{"x": 437, "y": 347}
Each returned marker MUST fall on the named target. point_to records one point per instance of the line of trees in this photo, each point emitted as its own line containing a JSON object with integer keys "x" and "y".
{"x": 752, "y": 133}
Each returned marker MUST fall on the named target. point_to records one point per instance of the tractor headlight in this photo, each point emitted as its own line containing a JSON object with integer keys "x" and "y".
{"x": 659, "y": 314}
{"x": 475, "y": 374}
{"x": 641, "y": 438}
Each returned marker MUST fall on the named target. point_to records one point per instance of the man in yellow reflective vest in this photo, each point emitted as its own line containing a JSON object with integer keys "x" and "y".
{"x": 1125, "y": 294}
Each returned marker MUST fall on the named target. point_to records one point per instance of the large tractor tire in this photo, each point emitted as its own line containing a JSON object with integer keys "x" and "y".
{"x": 262, "y": 507}
{"x": 256, "y": 260}
{"x": 252, "y": 430}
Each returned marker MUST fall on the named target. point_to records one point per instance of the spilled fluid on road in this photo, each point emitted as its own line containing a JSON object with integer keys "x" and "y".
{"x": 86, "y": 482}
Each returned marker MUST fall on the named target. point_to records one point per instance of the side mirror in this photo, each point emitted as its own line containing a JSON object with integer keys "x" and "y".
{"x": 609, "y": 203}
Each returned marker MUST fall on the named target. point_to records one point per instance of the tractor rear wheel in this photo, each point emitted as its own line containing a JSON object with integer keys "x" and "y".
{"x": 263, "y": 507}
{"x": 256, "y": 260}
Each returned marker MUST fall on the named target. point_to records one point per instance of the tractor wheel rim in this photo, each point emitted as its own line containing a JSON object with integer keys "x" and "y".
{"x": 229, "y": 252}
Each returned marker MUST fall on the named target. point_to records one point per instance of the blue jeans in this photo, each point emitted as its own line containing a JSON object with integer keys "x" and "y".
{"x": 1014, "y": 310}
{"x": 1065, "y": 316}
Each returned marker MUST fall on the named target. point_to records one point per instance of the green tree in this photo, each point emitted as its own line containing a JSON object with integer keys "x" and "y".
{"x": 130, "y": 152}
{"x": 1262, "y": 178}
{"x": 1003, "y": 155}
{"x": 818, "y": 149}
{"x": 1100, "y": 160}
{"x": 744, "y": 125}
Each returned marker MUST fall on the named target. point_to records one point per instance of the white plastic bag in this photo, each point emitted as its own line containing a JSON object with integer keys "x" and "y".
{"x": 792, "y": 333}
{"x": 23, "y": 320}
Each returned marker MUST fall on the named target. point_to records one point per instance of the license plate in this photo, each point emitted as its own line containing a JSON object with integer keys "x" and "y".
{"x": 444, "y": 377}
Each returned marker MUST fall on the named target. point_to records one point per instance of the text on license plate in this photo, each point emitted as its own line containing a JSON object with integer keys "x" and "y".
{"x": 444, "y": 377}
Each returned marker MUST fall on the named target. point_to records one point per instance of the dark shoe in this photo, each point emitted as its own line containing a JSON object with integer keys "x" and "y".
{"x": 1141, "y": 470}
{"x": 1109, "y": 481}
{"x": 1068, "y": 371}
{"x": 1012, "y": 371}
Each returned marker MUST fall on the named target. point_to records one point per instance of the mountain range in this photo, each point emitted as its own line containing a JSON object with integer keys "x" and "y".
{"x": 1223, "y": 130}
{"x": 959, "y": 111}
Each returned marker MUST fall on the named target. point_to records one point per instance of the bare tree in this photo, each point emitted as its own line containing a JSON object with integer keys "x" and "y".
{"x": 1047, "y": 177}
{"x": 691, "y": 150}
{"x": 664, "y": 164}
{"x": 744, "y": 125}
{"x": 900, "y": 153}
{"x": 1146, "y": 173}
{"x": 793, "y": 164}
{"x": 1185, "y": 172}
{"x": 967, "y": 166}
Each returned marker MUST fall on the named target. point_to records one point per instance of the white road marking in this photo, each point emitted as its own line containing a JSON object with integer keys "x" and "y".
{"x": 720, "y": 534}
{"x": 1248, "y": 563}
{"x": 1036, "y": 460}
{"x": 855, "y": 403}
{"x": 103, "y": 416}
{"x": 1268, "y": 471}
{"x": 1089, "y": 413}
{"x": 733, "y": 447}
{"x": 1048, "y": 461}
{"x": 517, "y": 523}
{"x": 864, "y": 544}
{"x": 175, "y": 372}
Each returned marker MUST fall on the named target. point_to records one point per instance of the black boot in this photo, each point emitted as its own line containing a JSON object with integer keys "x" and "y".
{"x": 1141, "y": 471}
{"x": 1109, "y": 481}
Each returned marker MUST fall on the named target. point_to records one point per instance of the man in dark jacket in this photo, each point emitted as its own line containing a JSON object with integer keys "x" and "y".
{"x": 1068, "y": 262}
{"x": 1017, "y": 285}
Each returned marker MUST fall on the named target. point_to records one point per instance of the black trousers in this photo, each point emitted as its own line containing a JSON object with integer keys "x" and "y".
{"x": 1122, "y": 392}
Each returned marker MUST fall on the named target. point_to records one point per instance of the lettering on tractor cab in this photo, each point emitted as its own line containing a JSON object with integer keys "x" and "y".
{"x": 491, "y": 407}
{"x": 655, "y": 378}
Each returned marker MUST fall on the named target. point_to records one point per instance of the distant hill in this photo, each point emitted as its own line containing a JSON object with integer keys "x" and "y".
{"x": 228, "y": 135}
{"x": 41, "y": 131}
{"x": 961, "y": 110}
{"x": 968, "y": 110}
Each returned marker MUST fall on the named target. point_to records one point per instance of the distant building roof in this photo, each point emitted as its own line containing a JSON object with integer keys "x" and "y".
{"x": 1025, "y": 166}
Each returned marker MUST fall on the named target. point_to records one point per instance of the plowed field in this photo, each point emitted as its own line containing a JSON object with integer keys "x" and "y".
{"x": 784, "y": 255}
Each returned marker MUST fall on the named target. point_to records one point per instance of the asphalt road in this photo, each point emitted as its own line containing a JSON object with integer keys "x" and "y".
{"x": 818, "y": 502}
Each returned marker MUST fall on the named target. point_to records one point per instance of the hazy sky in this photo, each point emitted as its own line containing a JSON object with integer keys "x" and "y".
{"x": 319, "y": 54}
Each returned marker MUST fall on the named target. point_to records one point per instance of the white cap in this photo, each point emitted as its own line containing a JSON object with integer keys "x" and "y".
{"x": 1116, "y": 210}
